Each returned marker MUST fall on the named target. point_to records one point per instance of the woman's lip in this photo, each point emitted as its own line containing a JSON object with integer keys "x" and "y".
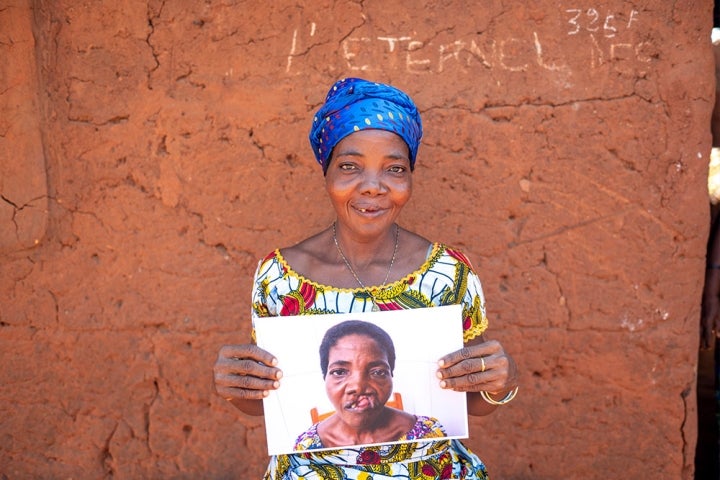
{"x": 360, "y": 404}
{"x": 369, "y": 210}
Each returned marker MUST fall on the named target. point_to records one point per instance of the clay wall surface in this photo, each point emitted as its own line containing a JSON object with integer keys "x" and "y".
{"x": 152, "y": 152}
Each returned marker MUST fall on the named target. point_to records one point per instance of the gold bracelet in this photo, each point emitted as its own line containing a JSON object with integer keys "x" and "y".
{"x": 486, "y": 396}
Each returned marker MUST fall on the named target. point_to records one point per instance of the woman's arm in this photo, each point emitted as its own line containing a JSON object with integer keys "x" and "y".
{"x": 245, "y": 374}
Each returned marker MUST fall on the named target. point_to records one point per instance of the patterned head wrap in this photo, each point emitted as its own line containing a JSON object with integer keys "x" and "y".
{"x": 354, "y": 104}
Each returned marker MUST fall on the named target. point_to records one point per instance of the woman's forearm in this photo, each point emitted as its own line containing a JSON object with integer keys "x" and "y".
{"x": 249, "y": 407}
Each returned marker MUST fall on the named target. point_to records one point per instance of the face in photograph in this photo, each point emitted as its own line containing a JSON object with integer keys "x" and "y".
{"x": 358, "y": 380}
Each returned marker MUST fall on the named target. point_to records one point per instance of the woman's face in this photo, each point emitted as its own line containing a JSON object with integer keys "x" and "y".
{"x": 369, "y": 180}
{"x": 358, "y": 380}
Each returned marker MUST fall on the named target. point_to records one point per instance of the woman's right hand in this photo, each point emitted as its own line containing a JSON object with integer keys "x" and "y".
{"x": 245, "y": 372}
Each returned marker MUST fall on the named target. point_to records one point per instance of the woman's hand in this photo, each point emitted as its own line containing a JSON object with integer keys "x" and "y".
{"x": 245, "y": 374}
{"x": 479, "y": 366}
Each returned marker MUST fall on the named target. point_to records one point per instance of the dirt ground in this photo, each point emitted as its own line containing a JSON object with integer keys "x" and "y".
{"x": 152, "y": 152}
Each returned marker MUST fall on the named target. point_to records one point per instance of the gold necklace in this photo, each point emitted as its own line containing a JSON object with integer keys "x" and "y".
{"x": 375, "y": 307}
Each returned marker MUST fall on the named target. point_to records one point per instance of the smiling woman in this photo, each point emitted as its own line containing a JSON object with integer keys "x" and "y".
{"x": 366, "y": 137}
{"x": 374, "y": 163}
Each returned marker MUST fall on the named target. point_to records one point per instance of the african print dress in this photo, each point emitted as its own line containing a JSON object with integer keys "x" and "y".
{"x": 446, "y": 278}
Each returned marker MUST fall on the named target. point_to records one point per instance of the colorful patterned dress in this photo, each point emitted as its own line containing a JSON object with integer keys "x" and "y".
{"x": 446, "y": 278}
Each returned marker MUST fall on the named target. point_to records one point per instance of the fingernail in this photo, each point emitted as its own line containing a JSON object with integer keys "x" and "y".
{"x": 276, "y": 384}
{"x": 274, "y": 362}
{"x": 443, "y": 384}
{"x": 279, "y": 374}
{"x": 438, "y": 374}
{"x": 441, "y": 362}
{"x": 265, "y": 393}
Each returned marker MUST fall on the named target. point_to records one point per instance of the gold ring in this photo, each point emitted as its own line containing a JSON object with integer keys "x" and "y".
{"x": 482, "y": 364}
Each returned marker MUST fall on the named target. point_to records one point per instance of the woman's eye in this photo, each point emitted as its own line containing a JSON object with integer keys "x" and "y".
{"x": 338, "y": 372}
{"x": 380, "y": 372}
{"x": 397, "y": 169}
{"x": 347, "y": 166}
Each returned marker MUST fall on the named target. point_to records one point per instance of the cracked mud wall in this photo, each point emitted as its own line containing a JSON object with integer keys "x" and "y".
{"x": 152, "y": 152}
{"x": 23, "y": 187}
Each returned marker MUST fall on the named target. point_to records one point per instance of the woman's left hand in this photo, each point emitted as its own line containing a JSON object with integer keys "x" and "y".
{"x": 479, "y": 366}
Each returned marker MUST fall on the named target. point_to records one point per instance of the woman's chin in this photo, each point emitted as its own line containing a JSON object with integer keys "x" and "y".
{"x": 360, "y": 417}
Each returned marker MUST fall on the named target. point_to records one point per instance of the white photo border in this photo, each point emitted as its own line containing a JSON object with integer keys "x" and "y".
{"x": 421, "y": 336}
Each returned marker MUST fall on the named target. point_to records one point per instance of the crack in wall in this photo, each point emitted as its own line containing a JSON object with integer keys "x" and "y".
{"x": 7, "y": 200}
{"x": 152, "y": 17}
{"x": 688, "y": 457}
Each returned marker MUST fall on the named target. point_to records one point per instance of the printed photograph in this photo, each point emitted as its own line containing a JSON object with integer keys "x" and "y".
{"x": 361, "y": 379}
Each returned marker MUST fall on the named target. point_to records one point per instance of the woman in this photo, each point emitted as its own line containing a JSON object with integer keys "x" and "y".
{"x": 357, "y": 360}
{"x": 366, "y": 137}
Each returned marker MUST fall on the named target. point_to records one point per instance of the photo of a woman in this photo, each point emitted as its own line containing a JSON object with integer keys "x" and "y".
{"x": 357, "y": 360}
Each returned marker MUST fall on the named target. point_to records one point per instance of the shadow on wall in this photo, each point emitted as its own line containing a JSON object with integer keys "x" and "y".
{"x": 707, "y": 454}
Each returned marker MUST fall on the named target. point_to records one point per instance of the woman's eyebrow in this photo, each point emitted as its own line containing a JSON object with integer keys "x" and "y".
{"x": 356, "y": 153}
{"x": 339, "y": 363}
{"x": 398, "y": 156}
{"x": 379, "y": 363}
{"x": 349, "y": 153}
{"x": 343, "y": 363}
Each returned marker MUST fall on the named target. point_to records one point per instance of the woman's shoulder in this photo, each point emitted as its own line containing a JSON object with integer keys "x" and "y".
{"x": 301, "y": 252}
{"x": 305, "y": 251}
{"x": 429, "y": 421}
{"x": 308, "y": 440}
{"x": 307, "y": 255}
{"x": 457, "y": 254}
{"x": 426, "y": 427}
{"x": 271, "y": 265}
{"x": 446, "y": 253}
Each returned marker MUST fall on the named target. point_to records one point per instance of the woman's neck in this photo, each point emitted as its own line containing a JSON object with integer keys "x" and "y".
{"x": 387, "y": 427}
{"x": 366, "y": 253}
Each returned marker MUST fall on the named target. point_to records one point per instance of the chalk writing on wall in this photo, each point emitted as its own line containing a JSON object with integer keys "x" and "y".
{"x": 591, "y": 21}
{"x": 602, "y": 33}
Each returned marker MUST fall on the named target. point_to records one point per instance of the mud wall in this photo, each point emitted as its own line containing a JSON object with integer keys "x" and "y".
{"x": 151, "y": 152}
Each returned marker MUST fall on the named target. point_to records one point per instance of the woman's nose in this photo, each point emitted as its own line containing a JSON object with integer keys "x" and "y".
{"x": 357, "y": 382}
{"x": 372, "y": 182}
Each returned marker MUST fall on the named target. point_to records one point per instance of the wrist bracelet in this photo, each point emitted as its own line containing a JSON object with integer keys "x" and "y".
{"x": 486, "y": 396}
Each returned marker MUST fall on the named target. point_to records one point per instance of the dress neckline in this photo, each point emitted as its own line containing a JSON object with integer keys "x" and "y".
{"x": 432, "y": 252}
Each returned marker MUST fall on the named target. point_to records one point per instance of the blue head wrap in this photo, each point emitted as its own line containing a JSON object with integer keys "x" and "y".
{"x": 354, "y": 104}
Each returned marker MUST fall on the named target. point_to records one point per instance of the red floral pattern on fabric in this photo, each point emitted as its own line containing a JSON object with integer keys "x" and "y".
{"x": 389, "y": 306}
{"x": 291, "y": 305}
{"x": 459, "y": 256}
{"x": 368, "y": 457}
{"x": 467, "y": 323}
{"x": 308, "y": 293}
{"x": 298, "y": 301}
